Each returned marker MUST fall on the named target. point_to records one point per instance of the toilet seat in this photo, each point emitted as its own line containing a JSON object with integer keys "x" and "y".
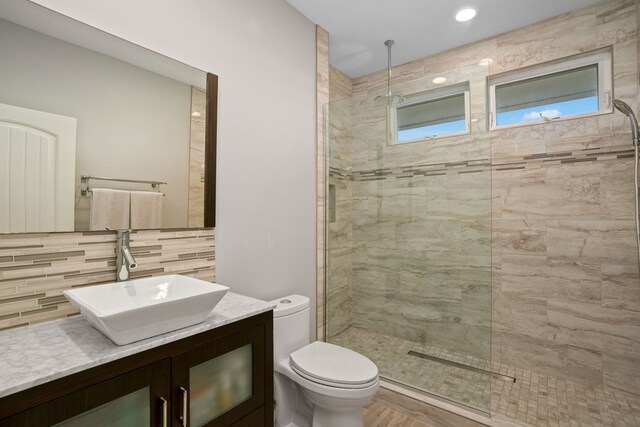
{"x": 333, "y": 366}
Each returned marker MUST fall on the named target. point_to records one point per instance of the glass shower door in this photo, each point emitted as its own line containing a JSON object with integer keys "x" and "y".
{"x": 408, "y": 252}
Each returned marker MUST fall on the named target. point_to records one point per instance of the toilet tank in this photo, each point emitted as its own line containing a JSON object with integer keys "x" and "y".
{"x": 290, "y": 325}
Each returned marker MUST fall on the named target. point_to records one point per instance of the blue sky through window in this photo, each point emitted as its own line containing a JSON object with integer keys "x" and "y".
{"x": 431, "y": 131}
{"x": 559, "y": 109}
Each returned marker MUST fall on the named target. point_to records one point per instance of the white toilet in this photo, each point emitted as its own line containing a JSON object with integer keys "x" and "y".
{"x": 317, "y": 384}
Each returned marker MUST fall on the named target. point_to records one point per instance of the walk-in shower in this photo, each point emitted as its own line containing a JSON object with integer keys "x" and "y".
{"x": 488, "y": 262}
{"x": 409, "y": 256}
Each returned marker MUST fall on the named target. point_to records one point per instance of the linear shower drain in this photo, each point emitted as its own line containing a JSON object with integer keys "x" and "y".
{"x": 460, "y": 365}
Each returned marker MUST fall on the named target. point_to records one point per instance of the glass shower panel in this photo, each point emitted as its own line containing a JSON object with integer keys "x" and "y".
{"x": 408, "y": 245}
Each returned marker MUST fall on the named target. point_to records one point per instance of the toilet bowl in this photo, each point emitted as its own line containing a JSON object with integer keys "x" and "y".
{"x": 316, "y": 384}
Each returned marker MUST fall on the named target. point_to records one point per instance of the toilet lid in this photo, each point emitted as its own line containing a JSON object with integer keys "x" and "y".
{"x": 331, "y": 364}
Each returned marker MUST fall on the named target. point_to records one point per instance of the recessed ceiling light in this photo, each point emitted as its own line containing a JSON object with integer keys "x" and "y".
{"x": 439, "y": 80}
{"x": 465, "y": 15}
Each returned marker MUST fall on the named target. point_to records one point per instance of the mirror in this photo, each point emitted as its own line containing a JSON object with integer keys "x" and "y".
{"x": 98, "y": 132}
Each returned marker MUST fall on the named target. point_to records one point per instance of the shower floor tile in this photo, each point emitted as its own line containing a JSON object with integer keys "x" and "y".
{"x": 535, "y": 399}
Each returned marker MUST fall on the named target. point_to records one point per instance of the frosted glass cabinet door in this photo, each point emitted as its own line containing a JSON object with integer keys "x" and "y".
{"x": 130, "y": 410}
{"x": 131, "y": 399}
{"x": 220, "y": 382}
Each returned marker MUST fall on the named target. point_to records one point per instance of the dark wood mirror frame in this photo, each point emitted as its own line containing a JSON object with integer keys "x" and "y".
{"x": 210, "y": 151}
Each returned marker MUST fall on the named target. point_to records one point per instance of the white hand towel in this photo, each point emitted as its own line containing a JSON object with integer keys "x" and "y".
{"x": 146, "y": 209}
{"x": 109, "y": 208}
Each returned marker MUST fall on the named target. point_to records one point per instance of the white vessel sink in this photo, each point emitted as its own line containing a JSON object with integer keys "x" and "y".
{"x": 138, "y": 309}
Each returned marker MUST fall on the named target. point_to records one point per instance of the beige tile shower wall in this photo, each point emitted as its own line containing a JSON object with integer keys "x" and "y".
{"x": 566, "y": 291}
{"x": 322, "y": 98}
{"x": 421, "y": 260}
{"x": 339, "y": 84}
{"x": 196, "y": 157}
{"x": 421, "y": 217}
{"x": 566, "y": 286}
{"x": 371, "y": 151}
{"x": 36, "y": 268}
{"x": 339, "y": 246}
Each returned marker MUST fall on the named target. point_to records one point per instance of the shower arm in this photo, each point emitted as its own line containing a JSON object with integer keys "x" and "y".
{"x": 388, "y": 43}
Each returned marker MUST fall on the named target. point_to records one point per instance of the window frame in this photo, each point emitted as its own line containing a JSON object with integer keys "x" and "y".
{"x": 601, "y": 57}
{"x": 428, "y": 96}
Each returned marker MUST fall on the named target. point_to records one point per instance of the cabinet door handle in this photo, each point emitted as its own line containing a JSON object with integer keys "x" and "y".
{"x": 164, "y": 411}
{"x": 185, "y": 401}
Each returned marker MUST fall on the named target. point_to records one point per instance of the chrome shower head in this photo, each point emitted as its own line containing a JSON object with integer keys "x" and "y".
{"x": 391, "y": 99}
{"x": 627, "y": 111}
{"x": 623, "y": 107}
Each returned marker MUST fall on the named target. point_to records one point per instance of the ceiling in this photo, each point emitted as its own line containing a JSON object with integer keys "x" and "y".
{"x": 358, "y": 28}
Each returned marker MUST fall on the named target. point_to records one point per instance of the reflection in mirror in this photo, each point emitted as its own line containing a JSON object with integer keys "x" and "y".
{"x": 67, "y": 111}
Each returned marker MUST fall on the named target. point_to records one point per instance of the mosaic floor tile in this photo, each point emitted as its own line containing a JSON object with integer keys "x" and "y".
{"x": 535, "y": 399}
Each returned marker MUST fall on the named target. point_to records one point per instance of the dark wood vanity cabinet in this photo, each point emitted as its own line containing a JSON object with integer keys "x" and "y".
{"x": 132, "y": 399}
{"x": 221, "y": 377}
{"x": 218, "y": 385}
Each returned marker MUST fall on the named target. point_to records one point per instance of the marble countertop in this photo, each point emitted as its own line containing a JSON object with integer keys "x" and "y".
{"x": 40, "y": 353}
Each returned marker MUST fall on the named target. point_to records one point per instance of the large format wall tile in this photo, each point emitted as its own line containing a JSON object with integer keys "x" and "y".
{"x": 592, "y": 326}
{"x": 620, "y": 287}
{"x": 519, "y": 236}
{"x": 338, "y": 267}
{"x": 541, "y": 277}
{"x": 621, "y": 371}
{"x": 586, "y": 190}
{"x": 554, "y": 38}
{"x": 593, "y": 241}
{"x": 616, "y": 22}
{"x": 322, "y": 98}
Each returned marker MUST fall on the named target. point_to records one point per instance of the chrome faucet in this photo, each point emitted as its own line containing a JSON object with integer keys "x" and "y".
{"x": 125, "y": 262}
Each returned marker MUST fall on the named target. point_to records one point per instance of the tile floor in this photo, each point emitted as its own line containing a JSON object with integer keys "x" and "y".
{"x": 534, "y": 399}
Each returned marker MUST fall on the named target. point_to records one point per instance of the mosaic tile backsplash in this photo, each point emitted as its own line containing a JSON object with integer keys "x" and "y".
{"x": 36, "y": 268}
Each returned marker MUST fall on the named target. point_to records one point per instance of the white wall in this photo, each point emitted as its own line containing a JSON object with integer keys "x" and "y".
{"x": 264, "y": 53}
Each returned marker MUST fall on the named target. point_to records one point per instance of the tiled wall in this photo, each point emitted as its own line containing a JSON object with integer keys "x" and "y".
{"x": 409, "y": 252}
{"x": 339, "y": 245}
{"x": 322, "y": 97}
{"x": 566, "y": 291}
{"x": 36, "y": 268}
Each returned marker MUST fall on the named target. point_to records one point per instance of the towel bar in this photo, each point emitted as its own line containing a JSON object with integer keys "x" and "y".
{"x": 154, "y": 184}
{"x": 87, "y": 190}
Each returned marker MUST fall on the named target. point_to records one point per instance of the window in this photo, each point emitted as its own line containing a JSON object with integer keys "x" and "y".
{"x": 432, "y": 114}
{"x": 575, "y": 87}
